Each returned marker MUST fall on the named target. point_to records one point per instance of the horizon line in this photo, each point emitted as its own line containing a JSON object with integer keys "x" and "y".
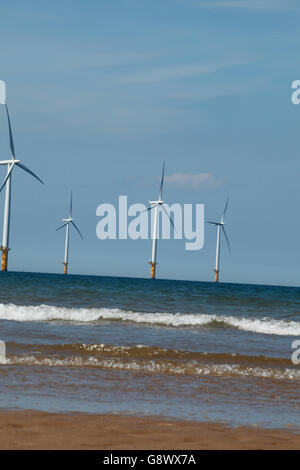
{"x": 148, "y": 279}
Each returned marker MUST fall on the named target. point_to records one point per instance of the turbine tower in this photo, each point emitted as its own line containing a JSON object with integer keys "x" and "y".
{"x": 7, "y": 181}
{"x": 156, "y": 205}
{"x": 220, "y": 226}
{"x": 66, "y": 224}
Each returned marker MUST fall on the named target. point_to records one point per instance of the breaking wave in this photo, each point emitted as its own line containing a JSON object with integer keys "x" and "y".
{"x": 88, "y": 315}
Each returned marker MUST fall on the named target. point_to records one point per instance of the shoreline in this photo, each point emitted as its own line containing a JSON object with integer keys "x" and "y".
{"x": 35, "y": 430}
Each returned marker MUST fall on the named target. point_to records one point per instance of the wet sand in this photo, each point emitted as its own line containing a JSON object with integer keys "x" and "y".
{"x": 38, "y": 430}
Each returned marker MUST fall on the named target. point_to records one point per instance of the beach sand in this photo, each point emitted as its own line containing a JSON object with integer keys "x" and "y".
{"x": 38, "y": 430}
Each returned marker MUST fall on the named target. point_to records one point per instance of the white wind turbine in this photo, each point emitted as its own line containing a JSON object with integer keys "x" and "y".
{"x": 155, "y": 205}
{"x": 220, "y": 226}
{"x": 7, "y": 181}
{"x": 66, "y": 224}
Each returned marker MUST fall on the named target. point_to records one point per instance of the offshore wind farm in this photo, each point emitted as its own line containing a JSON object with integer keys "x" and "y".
{"x": 154, "y": 205}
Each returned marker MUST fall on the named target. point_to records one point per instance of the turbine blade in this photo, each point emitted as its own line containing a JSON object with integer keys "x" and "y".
{"x": 166, "y": 212}
{"x": 77, "y": 229}
{"x": 226, "y": 239}
{"x": 162, "y": 182}
{"x": 226, "y": 207}
{"x": 148, "y": 209}
{"x": 213, "y": 223}
{"x": 63, "y": 225}
{"x": 11, "y": 141}
{"x": 25, "y": 168}
{"x": 71, "y": 206}
{"x": 7, "y": 175}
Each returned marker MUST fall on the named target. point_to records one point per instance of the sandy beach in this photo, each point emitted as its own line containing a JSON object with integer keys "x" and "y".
{"x": 38, "y": 430}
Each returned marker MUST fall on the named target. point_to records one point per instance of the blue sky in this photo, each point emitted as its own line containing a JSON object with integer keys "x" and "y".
{"x": 101, "y": 92}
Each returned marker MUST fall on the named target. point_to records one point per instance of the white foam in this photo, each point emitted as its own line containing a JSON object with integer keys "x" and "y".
{"x": 268, "y": 326}
{"x": 50, "y": 313}
{"x": 151, "y": 366}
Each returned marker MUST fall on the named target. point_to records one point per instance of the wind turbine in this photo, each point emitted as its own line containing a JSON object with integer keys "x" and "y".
{"x": 66, "y": 224}
{"x": 156, "y": 205}
{"x": 7, "y": 181}
{"x": 220, "y": 226}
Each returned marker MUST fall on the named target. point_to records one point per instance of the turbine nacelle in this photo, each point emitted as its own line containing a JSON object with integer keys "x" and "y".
{"x": 8, "y": 162}
{"x": 216, "y": 223}
{"x": 156, "y": 203}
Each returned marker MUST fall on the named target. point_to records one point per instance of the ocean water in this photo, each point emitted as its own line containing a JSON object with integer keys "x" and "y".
{"x": 188, "y": 350}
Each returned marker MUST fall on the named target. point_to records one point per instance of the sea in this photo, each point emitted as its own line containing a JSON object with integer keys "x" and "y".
{"x": 185, "y": 350}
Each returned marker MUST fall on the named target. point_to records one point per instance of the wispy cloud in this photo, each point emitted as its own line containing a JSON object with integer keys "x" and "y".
{"x": 175, "y": 72}
{"x": 194, "y": 180}
{"x": 258, "y": 5}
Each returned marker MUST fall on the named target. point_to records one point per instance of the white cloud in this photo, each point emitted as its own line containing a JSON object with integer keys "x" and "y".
{"x": 163, "y": 74}
{"x": 258, "y": 5}
{"x": 194, "y": 180}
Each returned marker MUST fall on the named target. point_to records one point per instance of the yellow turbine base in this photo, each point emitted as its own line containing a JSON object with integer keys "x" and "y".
{"x": 216, "y": 275}
{"x": 153, "y": 269}
{"x": 4, "y": 259}
{"x": 65, "y": 268}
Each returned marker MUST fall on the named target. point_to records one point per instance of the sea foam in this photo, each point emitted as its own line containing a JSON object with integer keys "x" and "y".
{"x": 83, "y": 315}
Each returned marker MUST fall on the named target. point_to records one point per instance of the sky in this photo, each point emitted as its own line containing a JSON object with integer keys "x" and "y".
{"x": 101, "y": 92}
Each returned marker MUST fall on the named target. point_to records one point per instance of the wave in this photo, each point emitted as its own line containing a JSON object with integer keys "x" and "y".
{"x": 89, "y": 315}
{"x": 141, "y": 352}
{"x": 149, "y": 359}
{"x": 159, "y": 367}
